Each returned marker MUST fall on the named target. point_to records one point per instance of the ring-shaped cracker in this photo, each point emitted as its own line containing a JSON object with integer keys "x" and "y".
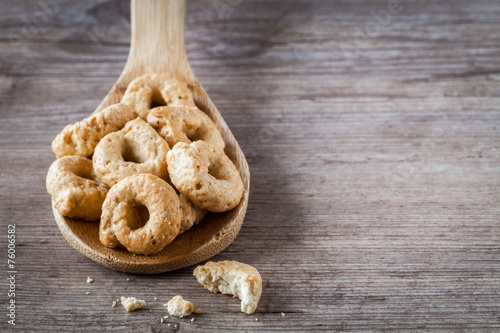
{"x": 131, "y": 202}
{"x": 191, "y": 214}
{"x": 184, "y": 124}
{"x": 136, "y": 148}
{"x": 205, "y": 175}
{"x": 152, "y": 90}
{"x": 82, "y": 137}
{"x": 75, "y": 190}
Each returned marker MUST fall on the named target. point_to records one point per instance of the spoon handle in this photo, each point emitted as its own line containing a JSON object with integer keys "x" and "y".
{"x": 157, "y": 41}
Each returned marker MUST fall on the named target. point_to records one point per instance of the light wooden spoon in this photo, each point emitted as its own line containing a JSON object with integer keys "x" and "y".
{"x": 157, "y": 45}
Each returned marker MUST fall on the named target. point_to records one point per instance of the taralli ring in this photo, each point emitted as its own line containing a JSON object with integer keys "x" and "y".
{"x": 191, "y": 214}
{"x": 184, "y": 124}
{"x": 75, "y": 190}
{"x": 82, "y": 137}
{"x": 142, "y": 213}
{"x": 152, "y": 90}
{"x": 205, "y": 175}
{"x": 137, "y": 148}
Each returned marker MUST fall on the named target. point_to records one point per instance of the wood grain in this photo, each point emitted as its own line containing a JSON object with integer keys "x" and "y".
{"x": 374, "y": 203}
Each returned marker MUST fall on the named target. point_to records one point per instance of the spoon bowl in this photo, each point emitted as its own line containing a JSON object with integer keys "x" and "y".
{"x": 157, "y": 45}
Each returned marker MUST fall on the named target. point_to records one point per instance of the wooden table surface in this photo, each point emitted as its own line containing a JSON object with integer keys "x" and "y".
{"x": 372, "y": 131}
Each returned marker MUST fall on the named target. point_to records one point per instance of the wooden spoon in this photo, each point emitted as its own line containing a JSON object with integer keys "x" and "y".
{"x": 157, "y": 45}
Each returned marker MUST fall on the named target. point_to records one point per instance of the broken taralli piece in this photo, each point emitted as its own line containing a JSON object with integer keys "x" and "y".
{"x": 232, "y": 278}
{"x": 132, "y": 303}
{"x": 179, "y": 307}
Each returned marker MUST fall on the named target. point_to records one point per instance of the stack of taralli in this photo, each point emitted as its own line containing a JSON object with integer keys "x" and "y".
{"x": 149, "y": 167}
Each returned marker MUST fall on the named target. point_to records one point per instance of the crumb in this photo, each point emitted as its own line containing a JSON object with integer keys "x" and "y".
{"x": 113, "y": 305}
{"x": 192, "y": 320}
{"x": 161, "y": 320}
{"x": 128, "y": 279}
{"x": 256, "y": 319}
{"x": 175, "y": 325}
{"x": 89, "y": 279}
{"x": 165, "y": 304}
{"x": 168, "y": 324}
{"x": 132, "y": 303}
{"x": 283, "y": 314}
{"x": 198, "y": 311}
{"x": 87, "y": 293}
{"x": 155, "y": 298}
{"x": 179, "y": 307}
{"x": 166, "y": 317}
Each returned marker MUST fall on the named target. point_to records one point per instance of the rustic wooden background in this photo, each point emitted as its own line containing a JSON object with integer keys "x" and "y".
{"x": 373, "y": 140}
